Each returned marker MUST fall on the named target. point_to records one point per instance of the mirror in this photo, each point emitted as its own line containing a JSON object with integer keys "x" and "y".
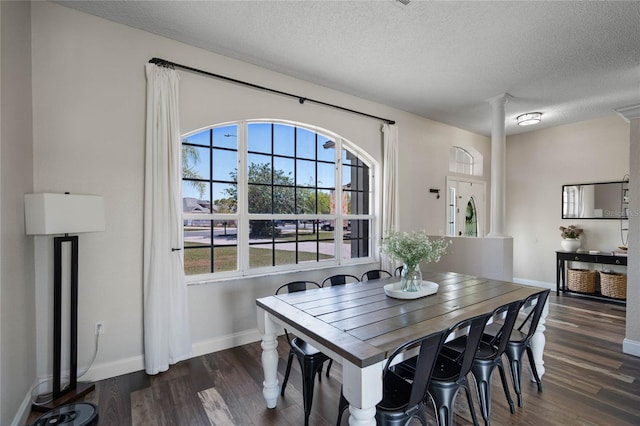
{"x": 605, "y": 200}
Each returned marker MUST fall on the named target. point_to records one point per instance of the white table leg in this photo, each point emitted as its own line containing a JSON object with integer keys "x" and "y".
{"x": 271, "y": 388}
{"x": 537, "y": 343}
{"x": 363, "y": 390}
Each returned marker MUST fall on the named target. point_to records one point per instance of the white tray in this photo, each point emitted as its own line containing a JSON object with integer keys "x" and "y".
{"x": 427, "y": 288}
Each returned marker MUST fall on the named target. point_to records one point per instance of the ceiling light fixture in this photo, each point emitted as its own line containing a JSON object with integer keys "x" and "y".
{"x": 529, "y": 118}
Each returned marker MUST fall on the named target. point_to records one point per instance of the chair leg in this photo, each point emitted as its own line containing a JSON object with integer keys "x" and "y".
{"x": 329, "y": 367}
{"x": 515, "y": 354}
{"x": 516, "y": 370}
{"x": 534, "y": 370}
{"x": 286, "y": 374}
{"x": 309, "y": 371}
{"x": 343, "y": 405}
{"x": 443, "y": 400}
{"x": 482, "y": 375}
{"x": 505, "y": 386}
{"x": 467, "y": 389}
{"x": 444, "y": 415}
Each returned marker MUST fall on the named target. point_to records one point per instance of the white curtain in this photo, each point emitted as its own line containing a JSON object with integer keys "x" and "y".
{"x": 389, "y": 186}
{"x": 167, "y": 338}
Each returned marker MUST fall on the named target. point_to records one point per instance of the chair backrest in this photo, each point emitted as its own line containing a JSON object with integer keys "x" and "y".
{"x": 398, "y": 271}
{"x": 472, "y": 328}
{"x": 340, "y": 279}
{"x": 530, "y": 323}
{"x": 510, "y": 314}
{"x": 294, "y": 287}
{"x": 375, "y": 274}
{"x": 429, "y": 347}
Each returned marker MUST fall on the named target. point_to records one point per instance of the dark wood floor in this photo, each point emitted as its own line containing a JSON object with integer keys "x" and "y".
{"x": 588, "y": 381}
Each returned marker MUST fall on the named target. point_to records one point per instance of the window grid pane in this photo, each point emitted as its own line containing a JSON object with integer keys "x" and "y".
{"x": 460, "y": 161}
{"x": 290, "y": 171}
{"x": 356, "y": 241}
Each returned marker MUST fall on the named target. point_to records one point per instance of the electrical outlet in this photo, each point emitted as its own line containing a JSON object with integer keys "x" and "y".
{"x": 100, "y": 327}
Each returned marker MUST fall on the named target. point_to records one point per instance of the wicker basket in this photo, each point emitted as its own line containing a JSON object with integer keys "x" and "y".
{"x": 613, "y": 284}
{"x": 581, "y": 280}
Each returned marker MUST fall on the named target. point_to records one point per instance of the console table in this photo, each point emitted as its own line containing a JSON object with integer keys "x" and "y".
{"x": 562, "y": 257}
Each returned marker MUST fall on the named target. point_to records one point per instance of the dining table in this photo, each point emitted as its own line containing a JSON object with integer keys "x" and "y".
{"x": 359, "y": 325}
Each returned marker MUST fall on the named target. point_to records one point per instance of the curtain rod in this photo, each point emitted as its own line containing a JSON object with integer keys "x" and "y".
{"x": 301, "y": 99}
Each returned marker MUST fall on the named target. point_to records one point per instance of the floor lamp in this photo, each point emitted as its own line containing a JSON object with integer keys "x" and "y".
{"x": 61, "y": 215}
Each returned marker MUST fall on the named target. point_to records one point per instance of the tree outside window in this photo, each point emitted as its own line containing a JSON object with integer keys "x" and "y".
{"x": 281, "y": 211}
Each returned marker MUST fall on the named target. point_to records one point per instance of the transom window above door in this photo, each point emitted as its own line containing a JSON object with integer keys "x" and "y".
{"x": 467, "y": 161}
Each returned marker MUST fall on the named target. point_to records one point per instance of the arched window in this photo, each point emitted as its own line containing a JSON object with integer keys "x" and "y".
{"x": 466, "y": 161}
{"x": 272, "y": 195}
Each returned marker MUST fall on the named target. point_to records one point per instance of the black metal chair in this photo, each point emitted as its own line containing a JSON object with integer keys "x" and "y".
{"x": 489, "y": 356}
{"x": 398, "y": 271}
{"x": 520, "y": 340}
{"x": 404, "y": 395}
{"x": 375, "y": 274}
{"x": 451, "y": 369}
{"x": 311, "y": 360}
{"x": 340, "y": 279}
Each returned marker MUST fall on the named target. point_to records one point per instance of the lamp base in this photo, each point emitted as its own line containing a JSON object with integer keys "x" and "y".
{"x": 72, "y": 395}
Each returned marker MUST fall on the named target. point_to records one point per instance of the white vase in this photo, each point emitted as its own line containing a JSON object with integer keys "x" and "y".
{"x": 570, "y": 244}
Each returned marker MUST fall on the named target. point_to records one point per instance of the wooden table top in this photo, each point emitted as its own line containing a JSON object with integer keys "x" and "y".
{"x": 363, "y": 325}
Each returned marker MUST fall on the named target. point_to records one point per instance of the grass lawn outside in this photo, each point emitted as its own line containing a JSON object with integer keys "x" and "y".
{"x": 199, "y": 261}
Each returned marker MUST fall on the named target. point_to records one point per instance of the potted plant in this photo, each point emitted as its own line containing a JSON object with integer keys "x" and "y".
{"x": 570, "y": 237}
{"x": 411, "y": 249}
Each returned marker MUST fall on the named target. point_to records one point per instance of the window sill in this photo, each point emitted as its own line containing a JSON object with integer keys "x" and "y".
{"x": 212, "y": 280}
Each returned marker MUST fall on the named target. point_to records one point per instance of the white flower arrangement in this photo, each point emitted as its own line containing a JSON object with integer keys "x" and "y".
{"x": 411, "y": 249}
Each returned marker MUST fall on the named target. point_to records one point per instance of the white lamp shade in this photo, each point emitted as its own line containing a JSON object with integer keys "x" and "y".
{"x": 49, "y": 214}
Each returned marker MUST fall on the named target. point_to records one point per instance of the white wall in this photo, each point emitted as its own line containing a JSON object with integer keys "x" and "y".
{"x": 89, "y": 119}
{"x": 488, "y": 257}
{"x": 538, "y": 164}
{"x": 88, "y": 136}
{"x": 424, "y": 164}
{"x": 17, "y": 295}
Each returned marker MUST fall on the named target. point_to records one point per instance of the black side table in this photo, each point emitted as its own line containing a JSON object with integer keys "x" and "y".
{"x": 563, "y": 257}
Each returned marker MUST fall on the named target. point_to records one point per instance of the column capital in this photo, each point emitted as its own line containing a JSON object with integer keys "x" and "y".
{"x": 629, "y": 113}
{"x": 500, "y": 99}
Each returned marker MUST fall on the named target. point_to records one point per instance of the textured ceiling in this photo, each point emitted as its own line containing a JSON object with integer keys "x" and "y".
{"x": 571, "y": 61}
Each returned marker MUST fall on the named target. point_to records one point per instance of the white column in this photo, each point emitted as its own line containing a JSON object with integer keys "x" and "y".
{"x": 631, "y": 343}
{"x": 498, "y": 160}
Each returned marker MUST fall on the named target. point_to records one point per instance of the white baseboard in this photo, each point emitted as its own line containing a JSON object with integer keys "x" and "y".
{"x": 226, "y": 342}
{"x": 23, "y": 412}
{"x": 551, "y": 286}
{"x": 112, "y": 369}
{"x": 129, "y": 365}
{"x": 631, "y": 347}
{"x": 132, "y": 364}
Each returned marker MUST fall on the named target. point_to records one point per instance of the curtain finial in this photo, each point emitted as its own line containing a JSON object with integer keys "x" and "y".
{"x": 162, "y": 63}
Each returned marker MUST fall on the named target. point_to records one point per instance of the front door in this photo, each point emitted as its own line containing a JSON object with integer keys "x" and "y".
{"x": 465, "y": 207}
